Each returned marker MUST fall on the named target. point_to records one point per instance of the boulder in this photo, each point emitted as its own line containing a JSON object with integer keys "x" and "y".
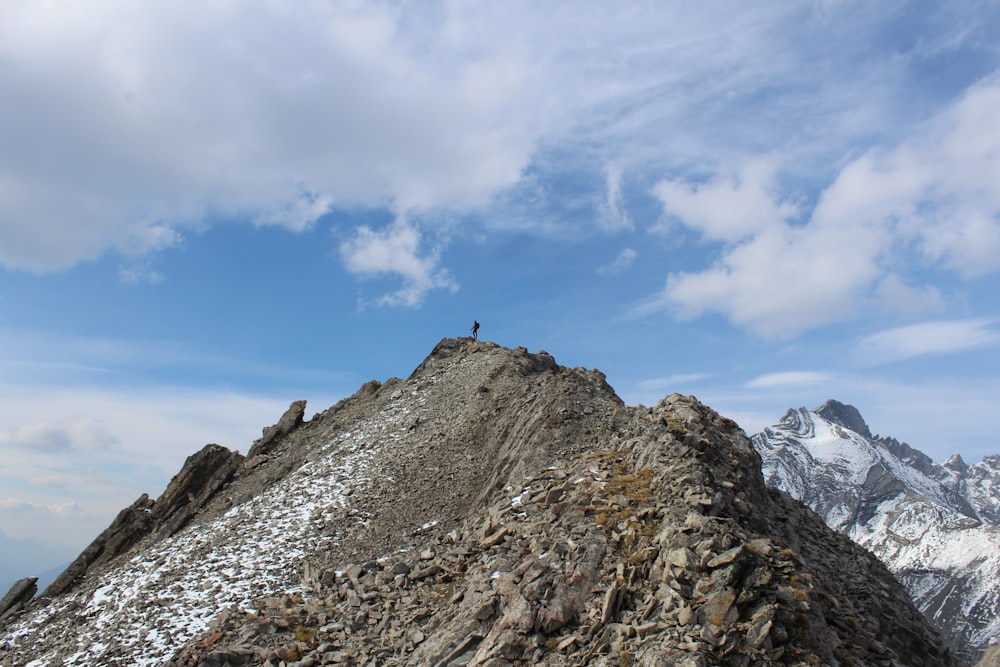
{"x": 19, "y": 594}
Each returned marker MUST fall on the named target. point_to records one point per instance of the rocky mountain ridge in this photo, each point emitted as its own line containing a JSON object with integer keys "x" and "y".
{"x": 494, "y": 508}
{"x": 934, "y": 525}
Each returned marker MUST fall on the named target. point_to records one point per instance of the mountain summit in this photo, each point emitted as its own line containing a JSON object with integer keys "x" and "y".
{"x": 494, "y": 508}
{"x": 935, "y": 526}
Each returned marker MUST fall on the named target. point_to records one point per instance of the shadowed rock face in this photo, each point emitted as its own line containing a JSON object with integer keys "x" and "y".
{"x": 494, "y": 508}
{"x": 201, "y": 477}
{"x": 845, "y": 415}
{"x": 19, "y": 595}
{"x": 293, "y": 418}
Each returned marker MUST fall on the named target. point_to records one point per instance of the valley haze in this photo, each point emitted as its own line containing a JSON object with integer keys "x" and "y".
{"x": 207, "y": 211}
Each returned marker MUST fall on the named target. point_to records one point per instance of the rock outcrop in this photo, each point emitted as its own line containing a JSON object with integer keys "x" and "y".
{"x": 494, "y": 508}
{"x": 201, "y": 477}
{"x": 19, "y": 595}
{"x": 291, "y": 420}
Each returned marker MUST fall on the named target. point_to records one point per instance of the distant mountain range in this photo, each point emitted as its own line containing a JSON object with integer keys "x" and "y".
{"x": 936, "y": 526}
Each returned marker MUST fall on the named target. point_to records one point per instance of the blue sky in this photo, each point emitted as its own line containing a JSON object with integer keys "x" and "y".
{"x": 208, "y": 210}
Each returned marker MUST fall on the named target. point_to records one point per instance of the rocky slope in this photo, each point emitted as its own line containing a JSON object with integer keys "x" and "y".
{"x": 935, "y": 526}
{"x": 492, "y": 509}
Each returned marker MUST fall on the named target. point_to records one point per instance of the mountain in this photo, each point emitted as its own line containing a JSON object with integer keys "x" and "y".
{"x": 936, "y": 526}
{"x": 494, "y": 508}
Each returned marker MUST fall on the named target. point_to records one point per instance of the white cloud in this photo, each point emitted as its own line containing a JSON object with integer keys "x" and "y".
{"x": 933, "y": 193}
{"x": 298, "y": 214}
{"x": 140, "y": 272}
{"x": 781, "y": 282}
{"x": 396, "y": 251}
{"x": 657, "y": 384}
{"x": 60, "y": 436}
{"x": 57, "y": 480}
{"x": 789, "y": 379}
{"x": 730, "y": 206}
{"x": 126, "y": 124}
{"x": 17, "y": 505}
{"x": 936, "y": 189}
{"x": 121, "y": 119}
{"x": 928, "y": 338}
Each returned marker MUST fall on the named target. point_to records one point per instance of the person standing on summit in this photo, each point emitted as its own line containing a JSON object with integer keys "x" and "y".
{"x": 475, "y": 329}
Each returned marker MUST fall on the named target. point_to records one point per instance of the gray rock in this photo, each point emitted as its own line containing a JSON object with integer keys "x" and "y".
{"x": 19, "y": 594}
{"x": 293, "y": 418}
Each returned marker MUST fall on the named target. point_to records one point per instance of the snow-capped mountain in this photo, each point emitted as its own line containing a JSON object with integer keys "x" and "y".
{"x": 936, "y": 526}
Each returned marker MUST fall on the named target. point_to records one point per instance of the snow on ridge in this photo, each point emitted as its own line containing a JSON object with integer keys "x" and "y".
{"x": 836, "y": 445}
{"x": 163, "y": 596}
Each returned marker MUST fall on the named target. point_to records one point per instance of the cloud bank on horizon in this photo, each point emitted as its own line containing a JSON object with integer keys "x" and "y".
{"x": 752, "y": 175}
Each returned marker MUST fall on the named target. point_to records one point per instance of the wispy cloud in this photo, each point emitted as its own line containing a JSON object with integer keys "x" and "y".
{"x": 737, "y": 116}
{"x": 621, "y": 262}
{"x": 69, "y": 509}
{"x": 661, "y": 383}
{"x": 67, "y": 476}
{"x": 789, "y": 379}
{"x": 611, "y": 212}
{"x": 928, "y": 338}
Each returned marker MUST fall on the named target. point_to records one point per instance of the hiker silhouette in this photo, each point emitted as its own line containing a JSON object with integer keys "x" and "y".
{"x": 475, "y": 329}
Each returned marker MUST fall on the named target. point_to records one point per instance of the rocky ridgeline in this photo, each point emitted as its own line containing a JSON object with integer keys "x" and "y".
{"x": 492, "y": 509}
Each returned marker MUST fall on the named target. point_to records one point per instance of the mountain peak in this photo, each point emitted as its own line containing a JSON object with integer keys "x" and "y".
{"x": 937, "y": 527}
{"x": 846, "y": 415}
{"x": 494, "y": 508}
{"x": 956, "y": 464}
